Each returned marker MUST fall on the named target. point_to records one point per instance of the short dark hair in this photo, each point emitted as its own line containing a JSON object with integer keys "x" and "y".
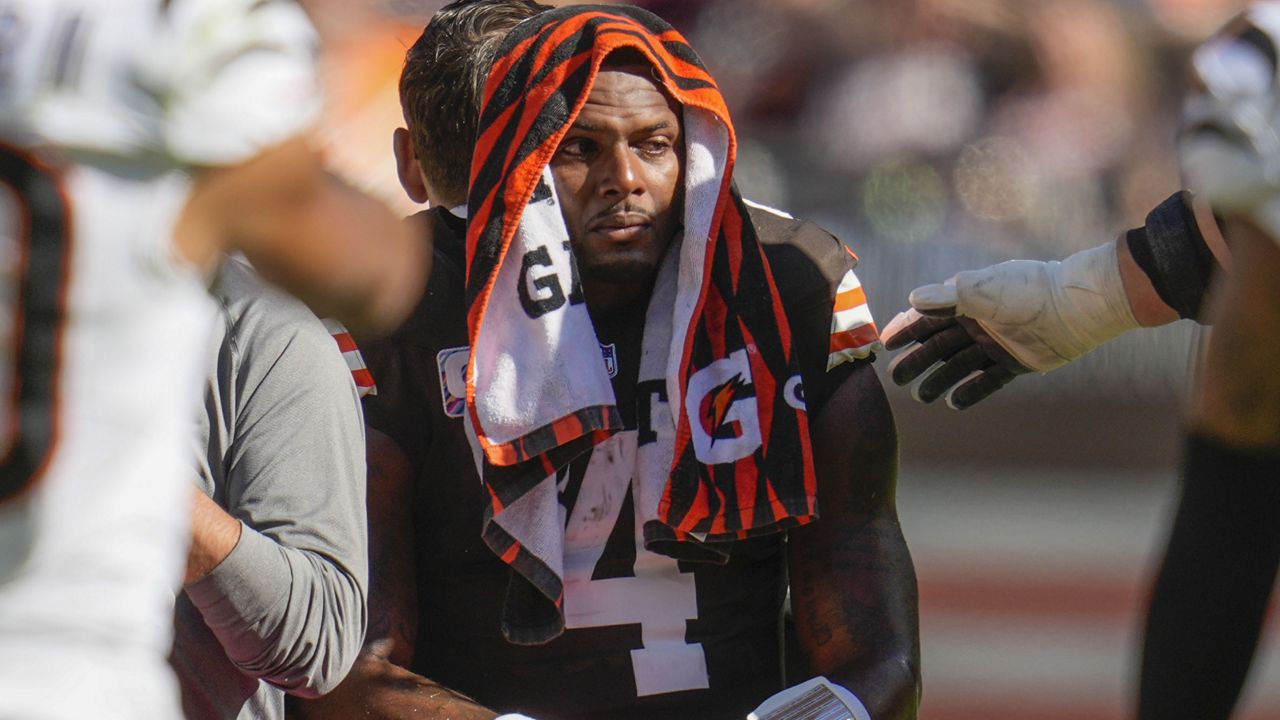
{"x": 443, "y": 80}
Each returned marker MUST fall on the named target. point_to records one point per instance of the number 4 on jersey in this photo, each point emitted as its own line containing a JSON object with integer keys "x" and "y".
{"x": 658, "y": 596}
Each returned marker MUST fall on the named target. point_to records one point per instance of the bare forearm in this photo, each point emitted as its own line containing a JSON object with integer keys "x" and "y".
{"x": 214, "y": 534}
{"x": 1237, "y": 399}
{"x": 344, "y": 253}
{"x": 370, "y": 285}
{"x": 854, "y": 596}
{"x": 859, "y": 628}
{"x": 377, "y": 689}
{"x": 1148, "y": 308}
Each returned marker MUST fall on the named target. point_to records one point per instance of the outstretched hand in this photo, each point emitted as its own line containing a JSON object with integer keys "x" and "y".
{"x": 970, "y": 336}
{"x": 953, "y": 356}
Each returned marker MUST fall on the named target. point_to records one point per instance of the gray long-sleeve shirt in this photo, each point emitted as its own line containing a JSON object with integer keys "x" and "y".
{"x": 282, "y": 450}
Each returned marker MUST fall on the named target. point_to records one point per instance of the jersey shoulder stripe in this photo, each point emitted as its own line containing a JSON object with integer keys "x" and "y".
{"x": 854, "y": 335}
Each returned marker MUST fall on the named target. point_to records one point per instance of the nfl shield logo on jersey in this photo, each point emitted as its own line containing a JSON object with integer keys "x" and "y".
{"x": 610, "y": 353}
{"x": 453, "y": 379}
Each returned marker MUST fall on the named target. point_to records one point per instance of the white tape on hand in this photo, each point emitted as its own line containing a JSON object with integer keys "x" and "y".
{"x": 814, "y": 699}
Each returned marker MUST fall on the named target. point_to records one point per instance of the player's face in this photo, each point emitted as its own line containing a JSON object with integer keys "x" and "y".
{"x": 618, "y": 173}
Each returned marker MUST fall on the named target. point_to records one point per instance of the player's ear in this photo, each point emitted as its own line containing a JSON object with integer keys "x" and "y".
{"x": 408, "y": 167}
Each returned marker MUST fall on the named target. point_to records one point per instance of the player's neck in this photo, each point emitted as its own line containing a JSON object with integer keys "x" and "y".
{"x": 614, "y": 302}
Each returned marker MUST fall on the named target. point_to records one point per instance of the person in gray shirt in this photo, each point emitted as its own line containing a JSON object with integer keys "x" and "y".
{"x": 275, "y": 593}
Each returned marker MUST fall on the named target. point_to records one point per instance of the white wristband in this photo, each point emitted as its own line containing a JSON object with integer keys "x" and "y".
{"x": 513, "y": 716}
{"x": 814, "y": 698}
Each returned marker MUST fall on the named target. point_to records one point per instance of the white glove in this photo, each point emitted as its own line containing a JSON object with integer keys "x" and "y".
{"x": 814, "y": 699}
{"x": 1230, "y": 148}
{"x": 974, "y": 333}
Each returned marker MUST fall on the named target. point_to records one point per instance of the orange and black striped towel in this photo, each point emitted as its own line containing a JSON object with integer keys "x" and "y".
{"x": 736, "y": 460}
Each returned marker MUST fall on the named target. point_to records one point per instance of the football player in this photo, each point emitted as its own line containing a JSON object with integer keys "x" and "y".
{"x": 633, "y": 633}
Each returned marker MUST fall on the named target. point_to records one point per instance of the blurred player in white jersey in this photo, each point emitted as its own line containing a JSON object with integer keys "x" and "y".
{"x": 969, "y": 336}
{"x": 139, "y": 140}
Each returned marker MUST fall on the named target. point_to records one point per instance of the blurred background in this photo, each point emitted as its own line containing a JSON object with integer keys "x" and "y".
{"x": 934, "y": 136}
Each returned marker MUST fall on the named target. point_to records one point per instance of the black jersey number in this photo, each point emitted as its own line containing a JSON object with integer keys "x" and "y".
{"x": 37, "y": 221}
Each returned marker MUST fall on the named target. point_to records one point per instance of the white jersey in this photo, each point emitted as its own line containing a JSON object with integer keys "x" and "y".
{"x": 103, "y": 328}
{"x": 1229, "y": 149}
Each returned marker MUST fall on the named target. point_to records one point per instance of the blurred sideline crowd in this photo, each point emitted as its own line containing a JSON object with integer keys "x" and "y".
{"x": 985, "y": 130}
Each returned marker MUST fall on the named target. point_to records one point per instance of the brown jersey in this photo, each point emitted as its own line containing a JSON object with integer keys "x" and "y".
{"x": 647, "y": 636}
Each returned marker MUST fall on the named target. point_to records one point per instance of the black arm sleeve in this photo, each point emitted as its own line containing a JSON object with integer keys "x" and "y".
{"x": 1172, "y": 252}
{"x": 1211, "y": 595}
